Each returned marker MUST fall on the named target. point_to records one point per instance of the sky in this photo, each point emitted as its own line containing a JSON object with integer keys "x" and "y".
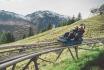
{"x": 63, "y": 7}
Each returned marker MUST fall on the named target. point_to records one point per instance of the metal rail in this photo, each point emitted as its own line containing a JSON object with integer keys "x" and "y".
{"x": 25, "y": 47}
{"x": 28, "y": 56}
{"x": 29, "y": 46}
{"x": 34, "y": 56}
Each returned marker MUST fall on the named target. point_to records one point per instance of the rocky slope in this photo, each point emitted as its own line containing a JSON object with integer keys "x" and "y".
{"x": 20, "y": 25}
{"x": 42, "y": 19}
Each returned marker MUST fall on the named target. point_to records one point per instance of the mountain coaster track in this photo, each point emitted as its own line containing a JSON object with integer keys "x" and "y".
{"x": 34, "y": 56}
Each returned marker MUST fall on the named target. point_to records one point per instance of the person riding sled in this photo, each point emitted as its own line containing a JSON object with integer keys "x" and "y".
{"x": 74, "y": 36}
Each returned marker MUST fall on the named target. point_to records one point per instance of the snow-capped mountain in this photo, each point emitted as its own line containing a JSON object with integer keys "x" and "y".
{"x": 43, "y": 18}
{"x": 19, "y": 25}
{"x": 10, "y": 15}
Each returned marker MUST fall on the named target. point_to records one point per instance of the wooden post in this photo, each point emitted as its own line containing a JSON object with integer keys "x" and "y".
{"x": 76, "y": 51}
{"x": 71, "y": 53}
{"x": 46, "y": 60}
{"x": 59, "y": 54}
{"x": 13, "y": 68}
{"x": 35, "y": 62}
{"x": 3, "y": 69}
{"x": 27, "y": 64}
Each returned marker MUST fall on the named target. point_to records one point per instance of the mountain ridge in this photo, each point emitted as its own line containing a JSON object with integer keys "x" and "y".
{"x": 44, "y": 18}
{"x": 19, "y": 25}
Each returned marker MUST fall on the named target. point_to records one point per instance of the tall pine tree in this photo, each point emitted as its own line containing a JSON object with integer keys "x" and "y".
{"x": 79, "y": 16}
{"x": 73, "y": 19}
{"x": 30, "y": 32}
{"x": 49, "y": 27}
{"x": 6, "y": 37}
{"x": 10, "y": 37}
{"x": 3, "y": 38}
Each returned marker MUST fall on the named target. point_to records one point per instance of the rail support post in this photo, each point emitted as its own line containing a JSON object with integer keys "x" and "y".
{"x": 27, "y": 64}
{"x": 71, "y": 53}
{"x": 35, "y": 62}
{"x": 3, "y": 69}
{"x": 13, "y": 68}
{"x": 76, "y": 51}
{"x": 59, "y": 55}
{"x": 34, "y": 59}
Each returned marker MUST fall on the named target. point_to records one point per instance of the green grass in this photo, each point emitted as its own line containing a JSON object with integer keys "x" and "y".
{"x": 69, "y": 64}
{"x": 94, "y": 29}
{"x": 65, "y": 62}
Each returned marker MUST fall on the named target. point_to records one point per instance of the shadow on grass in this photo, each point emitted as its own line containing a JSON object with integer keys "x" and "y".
{"x": 96, "y": 64}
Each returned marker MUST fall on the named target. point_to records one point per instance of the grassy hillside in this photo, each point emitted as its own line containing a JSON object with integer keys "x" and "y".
{"x": 87, "y": 60}
{"x": 94, "y": 28}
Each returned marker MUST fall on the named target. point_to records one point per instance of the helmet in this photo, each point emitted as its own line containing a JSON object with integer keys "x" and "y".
{"x": 82, "y": 26}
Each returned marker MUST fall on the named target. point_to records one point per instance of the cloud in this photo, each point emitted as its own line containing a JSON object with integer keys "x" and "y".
{"x": 66, "y": 7}
{"x": 4, "y": 0}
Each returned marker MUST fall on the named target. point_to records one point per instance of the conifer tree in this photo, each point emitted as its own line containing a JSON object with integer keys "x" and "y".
{"x": 49, "y": 27}
{"x": 6, "y": 37}
{"x": 24, "y": 36}
{"x": 79, "y": 16}
{"x": 73, "y": 19}
{"x": 30, "y": 32}
{"x": 3, "y": 38}
{"x": 10, "y": 37}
